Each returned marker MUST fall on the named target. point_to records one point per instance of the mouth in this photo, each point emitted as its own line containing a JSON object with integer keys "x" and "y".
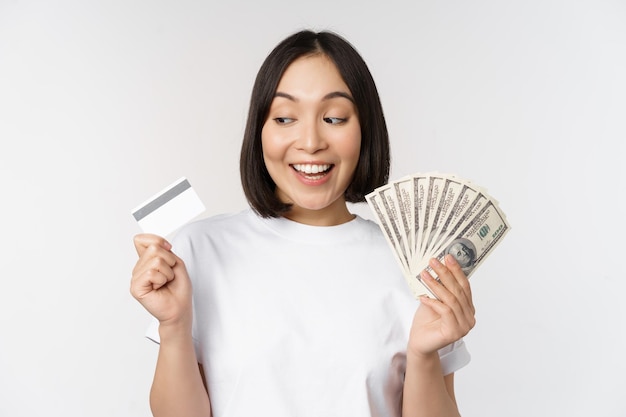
{"x": 313, "y": 171}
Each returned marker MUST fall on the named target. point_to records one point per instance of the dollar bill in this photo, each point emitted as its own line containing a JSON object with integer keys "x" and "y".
{"x": 450, "y": 191}
{"x": 433, "y": 197}
{"x": 420, "y": 187}
{"x": 464, "y": 201}
{"x": 476, "y": 241}
{"x": 392, "y": 212}
{"x": 404, "y": 195}
{"x": 375, "y": 202}
{"x": 429, "y": 215}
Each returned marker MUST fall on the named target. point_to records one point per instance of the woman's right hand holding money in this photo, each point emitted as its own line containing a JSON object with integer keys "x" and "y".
{"x": 160, "y": 282}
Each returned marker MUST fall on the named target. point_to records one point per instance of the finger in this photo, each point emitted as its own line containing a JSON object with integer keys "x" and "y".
{"x": 451, "y": 294}
{"x": 151, "y": 252}
{"x": 462, "y": 280}
{"x": 179, "y": 265}
{"x": 144, "y": 240}
{"x": 451, "y": 327}
{"x": 457, "y": 283}
{"x": 446, "y": 296}
{"x": 163, "y": 264}
{"x": 449, "y": 280}
{"x": 448, "y": 322}
{"x": 147, "y": 282}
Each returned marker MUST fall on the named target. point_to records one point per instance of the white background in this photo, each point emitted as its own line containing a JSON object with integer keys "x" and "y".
{"x": 104, "y": 103}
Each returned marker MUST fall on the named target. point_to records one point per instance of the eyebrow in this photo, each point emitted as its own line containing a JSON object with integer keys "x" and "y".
{"x": 329, "y": 96}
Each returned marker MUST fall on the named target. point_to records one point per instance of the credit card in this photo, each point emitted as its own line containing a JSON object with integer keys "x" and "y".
{"x": 168, "y": 210}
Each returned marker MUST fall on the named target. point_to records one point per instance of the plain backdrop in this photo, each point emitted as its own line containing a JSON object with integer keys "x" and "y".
{"x": 103, "y": 103}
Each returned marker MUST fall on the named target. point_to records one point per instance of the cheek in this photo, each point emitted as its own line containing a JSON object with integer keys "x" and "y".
{"x": 268, "y": 144}
{"x": 274, "y": 149}
{"x": 351, "y": 148}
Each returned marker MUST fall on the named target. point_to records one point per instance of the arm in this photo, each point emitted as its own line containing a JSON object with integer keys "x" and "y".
{"x": 437, "y": 323}
{"x": 426, "y": 391}
{"x": 178, "y": 386}
{"x": 161, "y": 284}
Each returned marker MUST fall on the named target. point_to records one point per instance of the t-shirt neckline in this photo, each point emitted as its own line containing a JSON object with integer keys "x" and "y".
{"x": 342, "y": 233}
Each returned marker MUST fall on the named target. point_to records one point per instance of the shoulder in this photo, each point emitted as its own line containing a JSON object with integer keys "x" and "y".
{"x": 214, "y": 224}
{"x": 370, "y": 231}
{"x": 369, "y": 226}
{"x": 201, "y": 232}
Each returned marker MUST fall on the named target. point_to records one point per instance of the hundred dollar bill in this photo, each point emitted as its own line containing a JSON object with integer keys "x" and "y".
{"x": 375, "y": 202}
{"x": 476, "y": 240}
{"x": 466, "y": 218}
{"x": 435, "y": 188}
{"x": 448, "y": 223}
{"x": 420, "y": 186}
{"x": 443, "y": 208}
{"x": 404, "y": 197}
{"x": 428, "y": 215}
{"x": 392, "y": 212}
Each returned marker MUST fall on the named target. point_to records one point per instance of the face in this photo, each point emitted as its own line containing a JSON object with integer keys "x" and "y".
{"x": 461, "y": 254}
{"x": 311, "y": 141}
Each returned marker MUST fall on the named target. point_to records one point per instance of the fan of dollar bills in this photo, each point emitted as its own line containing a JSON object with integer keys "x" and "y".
{"x": 430, "y": 215}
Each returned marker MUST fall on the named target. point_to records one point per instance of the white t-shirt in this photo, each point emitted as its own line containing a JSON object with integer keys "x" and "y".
{"x": 297, "y": 320}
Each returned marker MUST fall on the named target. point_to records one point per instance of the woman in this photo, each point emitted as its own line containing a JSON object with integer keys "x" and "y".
{"x": 298, "y": 307}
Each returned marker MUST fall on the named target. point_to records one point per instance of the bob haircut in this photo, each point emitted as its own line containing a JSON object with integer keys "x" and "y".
{"x": 371, "y": 171}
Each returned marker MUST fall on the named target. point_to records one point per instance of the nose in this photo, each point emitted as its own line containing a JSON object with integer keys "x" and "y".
{"x": 311, "y": 137}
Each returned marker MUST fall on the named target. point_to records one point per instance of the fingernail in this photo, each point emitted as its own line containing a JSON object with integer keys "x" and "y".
{"x": 434, "y": 262}
{"x": 450, "y": 260}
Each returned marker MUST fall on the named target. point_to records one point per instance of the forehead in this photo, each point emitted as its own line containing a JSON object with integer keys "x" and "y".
{"x": 309, "y": 76}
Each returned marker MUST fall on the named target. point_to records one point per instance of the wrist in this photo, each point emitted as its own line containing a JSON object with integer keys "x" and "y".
{"x": 174, "y": 330}
{"x": 423, "y": 360}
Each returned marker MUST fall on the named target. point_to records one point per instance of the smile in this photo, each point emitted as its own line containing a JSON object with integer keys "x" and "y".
{"x": 312, "y": 168}
{"x": 313, "y": 172}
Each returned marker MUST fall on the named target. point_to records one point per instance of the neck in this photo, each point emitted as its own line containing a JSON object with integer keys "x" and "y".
{"x": 328, "y": 216}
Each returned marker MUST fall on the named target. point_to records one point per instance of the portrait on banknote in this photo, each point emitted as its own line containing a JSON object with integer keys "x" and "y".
{"x": 464, "y": 251}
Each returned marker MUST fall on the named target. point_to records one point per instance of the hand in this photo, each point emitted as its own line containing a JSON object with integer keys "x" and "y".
{"x": 437, "y": 323}
{"x": 160, "y": 281}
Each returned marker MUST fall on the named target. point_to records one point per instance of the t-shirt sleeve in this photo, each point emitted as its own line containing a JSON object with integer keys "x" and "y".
{"x": 152, "y": 332}
{"x": 454, "y": 357}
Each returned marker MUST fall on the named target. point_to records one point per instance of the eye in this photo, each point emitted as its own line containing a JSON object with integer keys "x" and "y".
{"x": 283, "y": 120}
{"x": 335, "y": 120}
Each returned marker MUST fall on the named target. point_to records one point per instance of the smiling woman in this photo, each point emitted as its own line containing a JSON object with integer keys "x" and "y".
{"x": 299, "y": 307}
{"x": 311, "y": 141}
{"x": 355, "y": 84}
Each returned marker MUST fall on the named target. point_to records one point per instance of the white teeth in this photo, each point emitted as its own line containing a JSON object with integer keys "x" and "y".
{"x": 310, "y": 168}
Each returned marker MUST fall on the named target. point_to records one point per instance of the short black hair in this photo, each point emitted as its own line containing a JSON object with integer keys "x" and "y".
{"x": 372, "y": 169}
